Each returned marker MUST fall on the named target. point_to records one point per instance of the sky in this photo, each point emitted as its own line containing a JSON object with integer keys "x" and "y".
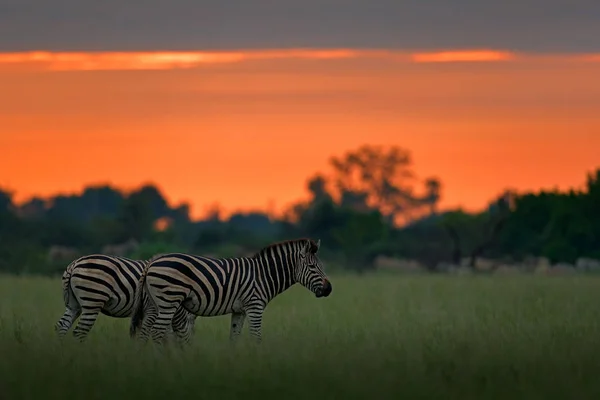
{"x": 86, "y": 25}
{"x": 240, "y": 105}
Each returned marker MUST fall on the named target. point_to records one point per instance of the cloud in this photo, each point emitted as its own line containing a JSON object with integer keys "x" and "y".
{"x": 98, "y": 61}
{"x": 462, "y": 56}
{"x": 182, "y": 25}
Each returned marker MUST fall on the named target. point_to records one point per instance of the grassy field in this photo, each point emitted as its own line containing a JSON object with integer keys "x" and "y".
{"x": 374, "y": 337}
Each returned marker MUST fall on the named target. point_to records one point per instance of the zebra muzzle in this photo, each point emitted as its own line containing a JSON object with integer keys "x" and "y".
{"x": 324, "y": 290}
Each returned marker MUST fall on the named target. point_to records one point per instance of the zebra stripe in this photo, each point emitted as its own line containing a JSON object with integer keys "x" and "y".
{"x": 105, "y": 284}
{"x": 208, "y": 286}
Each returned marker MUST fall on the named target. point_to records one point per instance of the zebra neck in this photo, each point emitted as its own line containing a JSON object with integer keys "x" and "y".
{"x": 279, "y": 271}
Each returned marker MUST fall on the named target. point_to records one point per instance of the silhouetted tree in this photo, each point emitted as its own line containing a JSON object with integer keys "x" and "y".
{"x": 380, "y": 178}
{"x": 6, "y": 203}
{"x": 137, "y": 216}
{"x": 33, "y": 208}
{"x": 433, "y": 189}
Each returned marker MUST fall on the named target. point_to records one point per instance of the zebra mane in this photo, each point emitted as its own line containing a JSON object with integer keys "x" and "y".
{"x": 313, "y": 246}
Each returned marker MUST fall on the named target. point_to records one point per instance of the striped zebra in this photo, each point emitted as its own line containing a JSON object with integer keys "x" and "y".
{"x": 241, "y": 286}
{"x": 105, "y": 284}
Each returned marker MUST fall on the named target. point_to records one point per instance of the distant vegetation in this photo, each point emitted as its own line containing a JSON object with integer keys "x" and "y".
{"x": 368, "y": 206}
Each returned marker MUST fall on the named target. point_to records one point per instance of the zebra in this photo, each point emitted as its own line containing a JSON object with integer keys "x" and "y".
{"x": 106, "y": 284}
{"x": 240, "y": 286}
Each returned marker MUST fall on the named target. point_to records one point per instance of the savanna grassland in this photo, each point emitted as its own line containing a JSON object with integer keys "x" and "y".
{"x": 375, "y": 337}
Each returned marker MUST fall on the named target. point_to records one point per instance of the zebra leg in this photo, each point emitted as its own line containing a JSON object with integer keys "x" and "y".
{"x": 255, "y": 314}
{"x": 66, "y": 321}
{"x": 149, "y": 318}
{"x": 183, "y": 325}
{"x": 163, "y": 320}
{"x": 85, "y": 323}
{"x": 237, "y": 323}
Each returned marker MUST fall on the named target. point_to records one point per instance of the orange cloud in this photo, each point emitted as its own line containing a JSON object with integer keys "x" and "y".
{"x": 89, "y": 61}
{"x": 94, "y": 61}
{"x": 167, "y": 60}
{"x": 462, "y": 56}
{"x": 63, "y": 61}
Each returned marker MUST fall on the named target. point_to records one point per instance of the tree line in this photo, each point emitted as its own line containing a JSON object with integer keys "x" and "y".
{"x": 370, "y": 203}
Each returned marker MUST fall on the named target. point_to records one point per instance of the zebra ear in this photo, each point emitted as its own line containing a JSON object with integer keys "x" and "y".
{"x": 318, "y": 245}
{"x": 304, "y": 250}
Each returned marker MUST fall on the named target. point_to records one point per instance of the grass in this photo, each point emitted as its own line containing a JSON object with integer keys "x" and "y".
{"x": 391, "y": 337}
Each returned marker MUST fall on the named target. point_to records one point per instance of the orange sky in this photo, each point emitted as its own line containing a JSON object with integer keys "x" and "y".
{"x": 247, "y": 128}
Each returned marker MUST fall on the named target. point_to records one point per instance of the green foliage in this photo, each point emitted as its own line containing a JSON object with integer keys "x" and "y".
{"x": 360, "y": 238}
{"x": 559, "y": 226}
{"x": 137, "y": 215}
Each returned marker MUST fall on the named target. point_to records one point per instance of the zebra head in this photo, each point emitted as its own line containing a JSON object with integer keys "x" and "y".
{"x": 309, "y": 270}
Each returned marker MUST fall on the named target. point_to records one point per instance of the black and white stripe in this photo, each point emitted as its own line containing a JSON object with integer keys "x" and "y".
{"x": 105, "y": 284}
{"x": 241, "y": 287}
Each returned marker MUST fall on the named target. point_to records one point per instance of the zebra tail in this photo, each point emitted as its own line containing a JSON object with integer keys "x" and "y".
{"x": 137, "y": 315}
{"x": 68, "y": 294}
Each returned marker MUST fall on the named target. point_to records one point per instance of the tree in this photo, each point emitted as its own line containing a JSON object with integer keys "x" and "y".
{"x": 376, "y": 176}
{"x": 6, "y": 202}
{"x": 317, "y": 186}
{"x": 155, "y": 199}
{"x": 214, "y": 213}
{"x": 433, "y": 189}
{"x": 495, "y": 221}
{"x": 137, "y": 216}
{"x": 356, "y": 207}
{"x": 477, "y": 232}
{"x": 33, "y": 208}
{"x": 361, "y": 237}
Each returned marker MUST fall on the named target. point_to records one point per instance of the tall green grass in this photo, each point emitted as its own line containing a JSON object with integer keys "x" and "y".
{"x": 375, "y": 337}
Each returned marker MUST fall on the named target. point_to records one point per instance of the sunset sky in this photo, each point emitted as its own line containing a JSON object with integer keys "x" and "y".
{"x": 241, "y": 105}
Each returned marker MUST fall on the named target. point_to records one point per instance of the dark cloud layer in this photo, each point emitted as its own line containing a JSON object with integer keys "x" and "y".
{"x": 526, "y": 25}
